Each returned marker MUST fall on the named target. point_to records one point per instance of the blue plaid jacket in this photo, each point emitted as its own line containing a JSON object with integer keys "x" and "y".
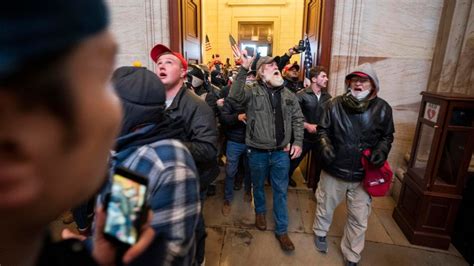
{"x": 173, "y": 197}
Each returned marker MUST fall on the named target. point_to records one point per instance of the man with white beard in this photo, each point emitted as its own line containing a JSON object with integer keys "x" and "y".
{"x": 273, "y": 116}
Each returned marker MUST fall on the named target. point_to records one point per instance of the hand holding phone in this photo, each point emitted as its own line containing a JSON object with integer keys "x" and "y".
{"x": 125, "y": 207}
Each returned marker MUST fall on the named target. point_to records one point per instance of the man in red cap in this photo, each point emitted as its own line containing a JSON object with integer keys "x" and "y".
{"x": 291, "y": 73}
{"x": 352, "y": 122}
{"x": 198, "y": 120}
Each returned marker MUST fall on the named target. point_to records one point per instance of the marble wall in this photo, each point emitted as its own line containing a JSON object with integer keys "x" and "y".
{"x": 138, "y": 25}
{"x": 398, "y": 38}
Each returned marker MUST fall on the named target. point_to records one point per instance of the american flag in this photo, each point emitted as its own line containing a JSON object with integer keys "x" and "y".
{"x": 308, "y": 59}
{"x": 208, "y": 44}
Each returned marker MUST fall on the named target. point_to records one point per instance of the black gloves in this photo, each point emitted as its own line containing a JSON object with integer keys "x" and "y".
{"x": 327, "y": 151}
{"x": 377, "y": 158}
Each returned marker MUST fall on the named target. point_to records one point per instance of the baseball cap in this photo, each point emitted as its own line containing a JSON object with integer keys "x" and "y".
{"x": 160, "y": 49}
{"x": 357, "y": 73}
{"x": 266, "y": 60}
{"x": 290, "y": 66}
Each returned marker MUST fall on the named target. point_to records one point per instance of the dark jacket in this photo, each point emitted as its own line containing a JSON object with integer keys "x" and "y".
{"x": 233, "y": 128}
{"x": 312, "y": 108}
{"x": 200, "y": 124}
{"x": 350, "y": 132}
{"x": 260, "y": 131}
{"x": 294, "y": 86}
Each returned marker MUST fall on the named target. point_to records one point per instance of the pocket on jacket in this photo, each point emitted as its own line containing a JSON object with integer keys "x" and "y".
{"x": 252, "y": 128}
{"x": 259, "y": 100}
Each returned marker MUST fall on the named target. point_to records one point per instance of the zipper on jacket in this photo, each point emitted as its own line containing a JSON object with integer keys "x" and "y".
{"x": 274, "y": 118}
{"x": 252, "y": 128}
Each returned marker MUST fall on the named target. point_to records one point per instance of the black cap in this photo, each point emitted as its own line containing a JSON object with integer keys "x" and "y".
{"x": 30, "y": 28}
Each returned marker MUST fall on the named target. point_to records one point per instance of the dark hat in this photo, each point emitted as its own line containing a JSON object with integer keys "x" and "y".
{"x": 290, "y": 66}
{"x": 31, "y": 29}
{"x": 196, "y": 71}
{"x": 252, "y": 72}
{"x": 266, "y": 60}
{"x": 142, "y": 95}
{"x": 160, "y": 49}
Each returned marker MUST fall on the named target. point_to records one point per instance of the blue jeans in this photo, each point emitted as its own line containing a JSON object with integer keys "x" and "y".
{"x": 235, "y": 151}
{"x": 276, "y": 163}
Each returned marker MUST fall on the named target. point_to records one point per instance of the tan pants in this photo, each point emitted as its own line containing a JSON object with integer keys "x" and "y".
{"x": 331, "y": 191}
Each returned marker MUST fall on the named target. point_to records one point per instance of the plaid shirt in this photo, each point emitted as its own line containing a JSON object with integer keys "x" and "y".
{"x": 173, "y": 197}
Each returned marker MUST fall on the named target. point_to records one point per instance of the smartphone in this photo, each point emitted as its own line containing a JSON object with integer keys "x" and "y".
{"x": 250, "y": 51}
{"x": 125, "y": 209}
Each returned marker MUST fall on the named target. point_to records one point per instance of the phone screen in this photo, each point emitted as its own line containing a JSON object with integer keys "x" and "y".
{"x": 124, "y": 209}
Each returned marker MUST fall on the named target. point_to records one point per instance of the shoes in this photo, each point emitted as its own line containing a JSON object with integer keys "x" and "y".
{"x": 321, "y": 244}
{"x": 211, "y": 190}
{"x": 226, "y": 208}
{"x": 260, "y": 221}
{"x": 292, "y": 182}
{"x": 67, "y": 218}
{"x": 248, "y": 196}
{"x": 350, "y": 263}
{"x": 285, "y": 242}
{"x": 237, "y": 186}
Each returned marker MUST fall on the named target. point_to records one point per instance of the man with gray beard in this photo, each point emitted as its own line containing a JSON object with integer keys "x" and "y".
{"x": 273, "y": 116}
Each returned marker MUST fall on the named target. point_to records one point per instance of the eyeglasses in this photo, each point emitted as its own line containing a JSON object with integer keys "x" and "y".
{"x": 359, "y": 79}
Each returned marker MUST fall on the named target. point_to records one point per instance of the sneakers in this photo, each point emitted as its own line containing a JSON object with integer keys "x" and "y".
{"x": 260, "y": 221}
{"x": 321, "y": 244}
{"x": 226, "y": 208}
{"x": 285, "y": 242}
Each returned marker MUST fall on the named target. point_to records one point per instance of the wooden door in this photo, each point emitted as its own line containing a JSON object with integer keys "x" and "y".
{"x": 185, "y": 28}
{"x": 317, "y": 25}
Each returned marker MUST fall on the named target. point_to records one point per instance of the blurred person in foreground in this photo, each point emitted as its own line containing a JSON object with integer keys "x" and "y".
{"x": 58, "y": 120}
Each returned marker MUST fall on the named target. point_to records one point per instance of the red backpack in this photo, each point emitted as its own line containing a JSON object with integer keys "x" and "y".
{"x": 377, "y": 180}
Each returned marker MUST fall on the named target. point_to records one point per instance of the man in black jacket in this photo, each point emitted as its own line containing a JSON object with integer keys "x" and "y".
{"x": 291, "y": 73}
{"x": 59, "y": 118}
{"x": 353, "y": 122}
{"x": 312, "y": 101}
{"x": 182, "y": 104}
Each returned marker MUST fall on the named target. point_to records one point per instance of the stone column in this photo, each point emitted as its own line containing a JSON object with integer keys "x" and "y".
{"x": 138, "y": 25}
{"x": 453, "y": 60}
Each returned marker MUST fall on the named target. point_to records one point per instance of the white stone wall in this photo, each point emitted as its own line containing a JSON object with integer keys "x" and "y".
{"x": 398, "y": 38}
{"x": 138, "y": 25}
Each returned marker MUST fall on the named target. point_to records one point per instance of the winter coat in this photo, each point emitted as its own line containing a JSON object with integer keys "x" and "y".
{"x": 350, "y": 132}
{"x": 260, "y": 132}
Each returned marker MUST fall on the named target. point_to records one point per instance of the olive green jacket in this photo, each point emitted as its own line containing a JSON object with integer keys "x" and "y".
{"x": 260, "y": 132}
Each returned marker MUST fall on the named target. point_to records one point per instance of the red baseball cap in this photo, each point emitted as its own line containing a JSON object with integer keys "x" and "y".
{"x": 357, "y": 73}
{"x": 160, "y": 49}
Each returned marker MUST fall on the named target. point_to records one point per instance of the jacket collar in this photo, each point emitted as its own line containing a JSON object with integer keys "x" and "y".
{"x": 308, "y": 90}
{"x": 177, "y": 98}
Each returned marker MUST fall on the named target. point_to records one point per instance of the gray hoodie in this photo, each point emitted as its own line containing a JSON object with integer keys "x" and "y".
{"x": 366, "y": 69}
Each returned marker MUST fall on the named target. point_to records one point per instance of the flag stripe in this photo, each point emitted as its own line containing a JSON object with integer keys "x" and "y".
{"x": 208, "y": 44}
{"x": 308, "y": 59}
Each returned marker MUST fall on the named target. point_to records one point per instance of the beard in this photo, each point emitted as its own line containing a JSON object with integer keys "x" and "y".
{"x": 274, "y": 79}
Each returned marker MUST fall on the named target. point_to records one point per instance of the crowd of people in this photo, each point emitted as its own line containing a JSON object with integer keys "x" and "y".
{"x": 64, "y": 130}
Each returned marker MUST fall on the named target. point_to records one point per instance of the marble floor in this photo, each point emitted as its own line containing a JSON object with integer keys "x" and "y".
{"x": 234, "y": 240}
